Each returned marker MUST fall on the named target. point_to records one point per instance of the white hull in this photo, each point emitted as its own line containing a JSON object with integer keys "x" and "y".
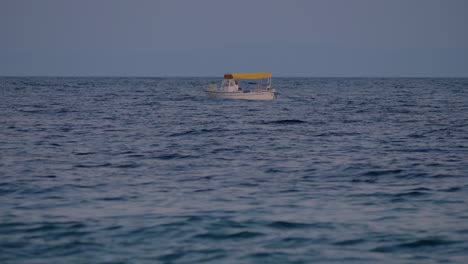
{"x": 262, "y": 95}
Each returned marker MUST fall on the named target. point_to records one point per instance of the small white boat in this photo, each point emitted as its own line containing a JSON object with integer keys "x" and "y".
{"x": 232, "y": 88}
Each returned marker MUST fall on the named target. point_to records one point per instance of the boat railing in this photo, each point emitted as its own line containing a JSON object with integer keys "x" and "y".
{"x": 254, "y": 87}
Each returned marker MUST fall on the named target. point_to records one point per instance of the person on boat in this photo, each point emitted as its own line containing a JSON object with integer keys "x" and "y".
{"x": 237, "y": 86}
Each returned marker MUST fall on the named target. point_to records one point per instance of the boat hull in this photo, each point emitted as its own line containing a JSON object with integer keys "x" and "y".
{"x": 262, "y": 95}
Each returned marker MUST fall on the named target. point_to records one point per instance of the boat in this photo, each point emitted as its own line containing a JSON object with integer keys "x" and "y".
{"x": 257, "y": 86}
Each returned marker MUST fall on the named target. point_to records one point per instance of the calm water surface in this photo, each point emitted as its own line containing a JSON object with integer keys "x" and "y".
{"x": 149, "y": 170}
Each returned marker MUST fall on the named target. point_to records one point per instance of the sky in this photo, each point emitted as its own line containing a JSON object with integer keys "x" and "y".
{"x": 204, "y": 38}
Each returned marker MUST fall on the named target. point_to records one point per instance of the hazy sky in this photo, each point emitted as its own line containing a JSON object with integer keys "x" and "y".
{"x": 209, "y": 38}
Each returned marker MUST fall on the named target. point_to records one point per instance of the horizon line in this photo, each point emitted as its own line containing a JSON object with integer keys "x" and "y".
{"x": 189, "y": 76}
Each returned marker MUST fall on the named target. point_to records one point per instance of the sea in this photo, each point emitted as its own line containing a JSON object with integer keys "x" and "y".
{"x": 150, "y": 170}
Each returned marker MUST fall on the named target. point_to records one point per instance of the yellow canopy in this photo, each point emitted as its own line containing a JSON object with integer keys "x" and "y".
{"x": 248, "y": 75}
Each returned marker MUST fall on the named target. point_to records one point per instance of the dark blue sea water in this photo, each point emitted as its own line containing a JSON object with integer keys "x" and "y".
{"x": 149, "y": 170}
